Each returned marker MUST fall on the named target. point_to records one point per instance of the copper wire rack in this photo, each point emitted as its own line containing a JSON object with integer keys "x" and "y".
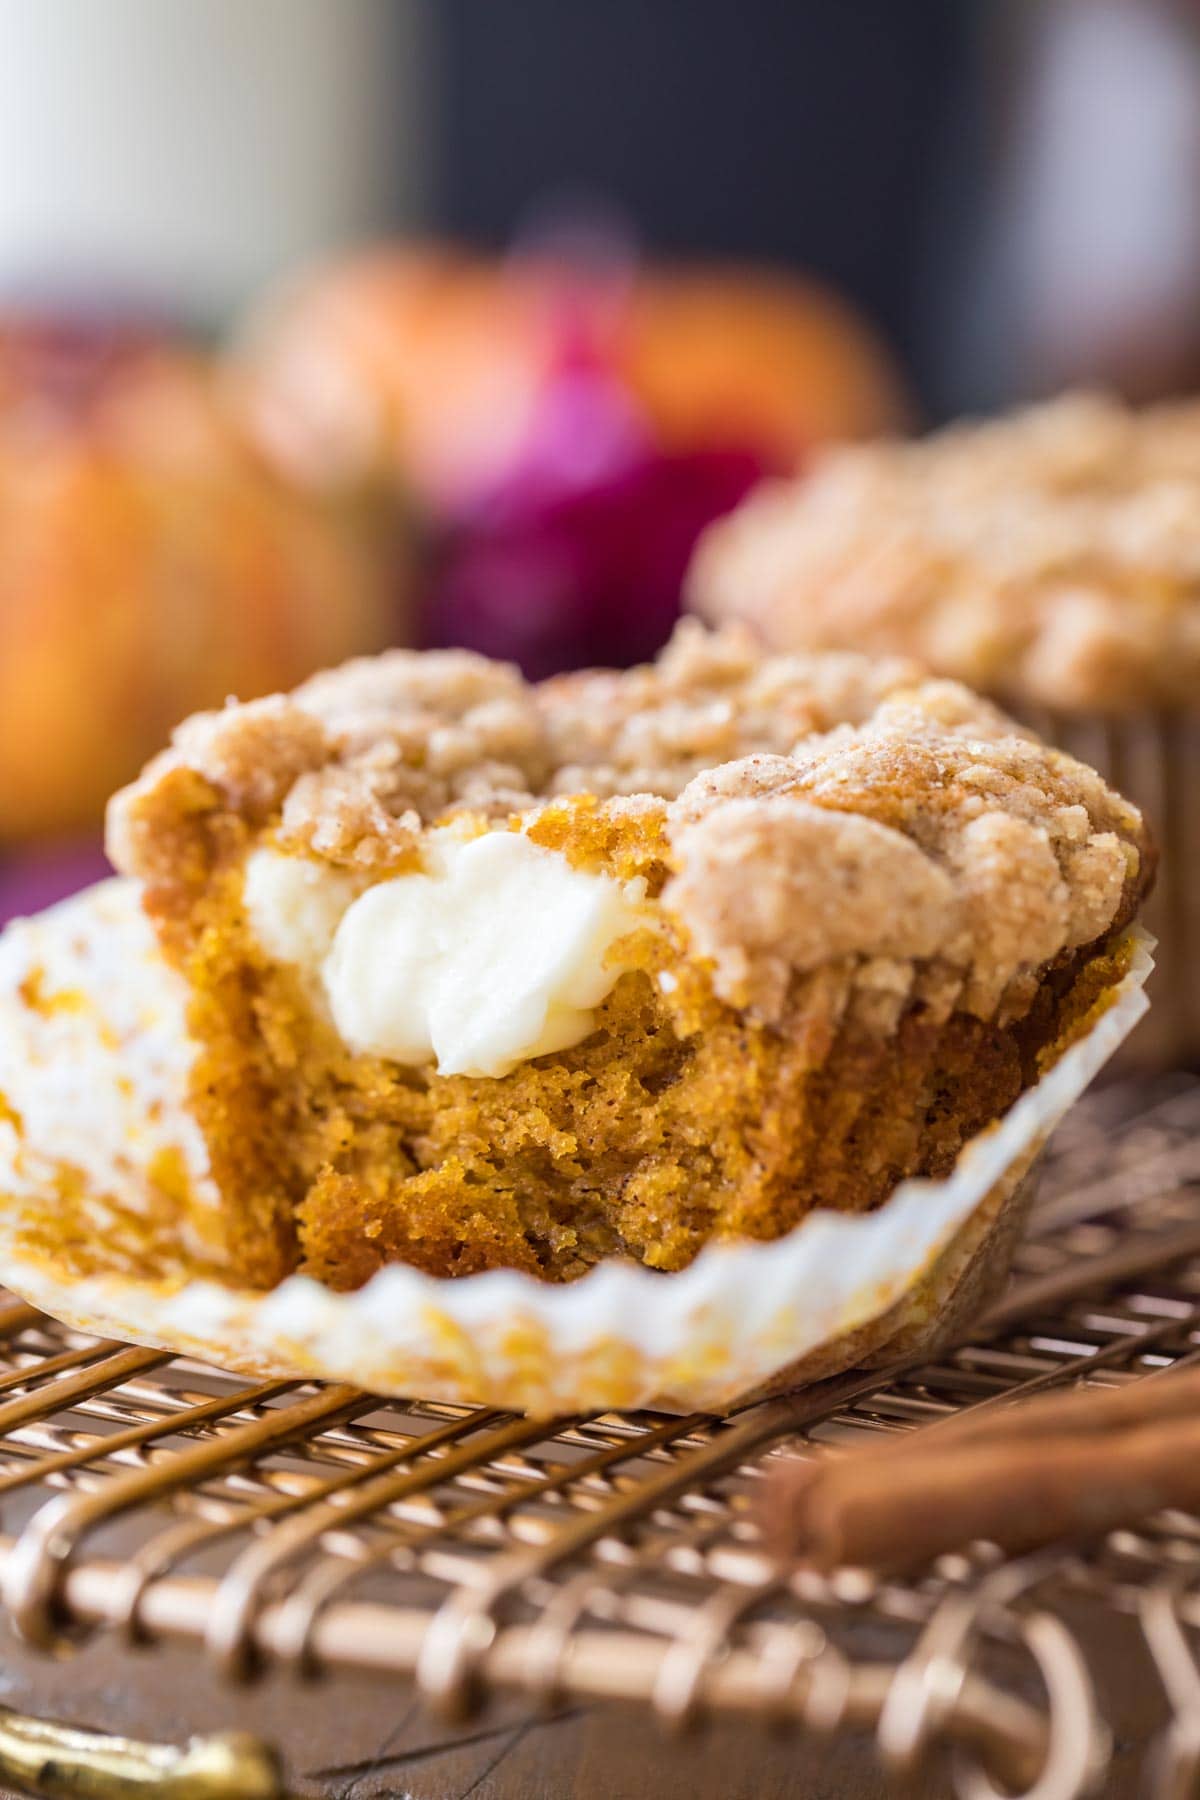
{"x": 616, "y": 1557}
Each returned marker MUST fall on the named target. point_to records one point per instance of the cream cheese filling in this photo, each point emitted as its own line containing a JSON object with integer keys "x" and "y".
{"x": 496, "y": 951}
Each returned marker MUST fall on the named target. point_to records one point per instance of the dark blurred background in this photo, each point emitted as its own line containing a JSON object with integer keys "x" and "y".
{"x": 846, "y": 140}
{"x": 1010, "y": 191}
{"x": 1006, "y": 188}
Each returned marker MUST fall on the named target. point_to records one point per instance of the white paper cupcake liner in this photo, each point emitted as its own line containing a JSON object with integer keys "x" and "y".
{"x": 93, "y": 1064}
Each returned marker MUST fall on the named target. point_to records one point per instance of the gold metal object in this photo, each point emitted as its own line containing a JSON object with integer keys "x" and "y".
{"x": 60, "y": 1762}
{"x": 616, "y": 1557}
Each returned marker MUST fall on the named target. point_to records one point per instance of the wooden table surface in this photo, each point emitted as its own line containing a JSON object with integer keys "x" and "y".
{"x": 346, "y": 1741}
{"x": 349, "y": 1740}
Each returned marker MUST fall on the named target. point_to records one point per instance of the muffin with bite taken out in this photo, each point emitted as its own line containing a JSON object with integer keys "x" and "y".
{"x": 488, "y": 973}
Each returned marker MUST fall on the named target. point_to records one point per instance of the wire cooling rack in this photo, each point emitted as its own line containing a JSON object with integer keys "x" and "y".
{"x": 616, "y": 1557}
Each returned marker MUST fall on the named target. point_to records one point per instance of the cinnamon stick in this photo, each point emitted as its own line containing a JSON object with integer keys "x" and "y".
{"x": 1173, "y": 1394}
{"x": 1068, "y": 1466}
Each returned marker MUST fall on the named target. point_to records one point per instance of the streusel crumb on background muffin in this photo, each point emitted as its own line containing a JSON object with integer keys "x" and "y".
{"x": 1052, "y": 560}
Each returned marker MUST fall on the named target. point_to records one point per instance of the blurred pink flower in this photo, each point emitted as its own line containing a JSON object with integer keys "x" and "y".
{"x": 577, "y": 556}
{"x": 33, "y": 879}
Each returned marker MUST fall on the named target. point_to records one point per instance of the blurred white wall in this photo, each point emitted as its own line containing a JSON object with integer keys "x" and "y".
{"x": 182, "y": 151}
{"x": 1106, "y": 188}
{"x": 1082, "y": 261}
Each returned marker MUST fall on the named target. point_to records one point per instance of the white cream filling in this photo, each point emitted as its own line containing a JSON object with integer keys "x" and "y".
{"x": 495, "y": 952}
{"x": 295, "y": 905}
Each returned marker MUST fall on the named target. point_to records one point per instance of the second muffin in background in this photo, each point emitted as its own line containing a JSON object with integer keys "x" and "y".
{"x": 1050, "y": 559}
{"x": 487, "y": 973}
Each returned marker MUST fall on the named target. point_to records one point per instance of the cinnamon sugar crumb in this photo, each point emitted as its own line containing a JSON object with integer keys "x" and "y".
{"x": 810, "y": 808}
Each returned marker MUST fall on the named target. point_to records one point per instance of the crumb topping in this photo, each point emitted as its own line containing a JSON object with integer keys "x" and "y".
{"x": 1052, "y": 557}
{"x": 932, "y": 834}
{"x": 357, "y": 761}
{"x": 807, "y": 809}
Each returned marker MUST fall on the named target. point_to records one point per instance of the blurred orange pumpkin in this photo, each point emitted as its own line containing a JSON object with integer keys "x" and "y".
{"x": 150, "y": 564}
{"x": 427, "y": 364}
{"x": 757, "y": 357}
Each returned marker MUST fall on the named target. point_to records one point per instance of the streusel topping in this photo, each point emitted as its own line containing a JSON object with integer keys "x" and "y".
{"x": 359, "y": 760}
{"x": 1052, "y": 557}
{"x": 806, "y": 809}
